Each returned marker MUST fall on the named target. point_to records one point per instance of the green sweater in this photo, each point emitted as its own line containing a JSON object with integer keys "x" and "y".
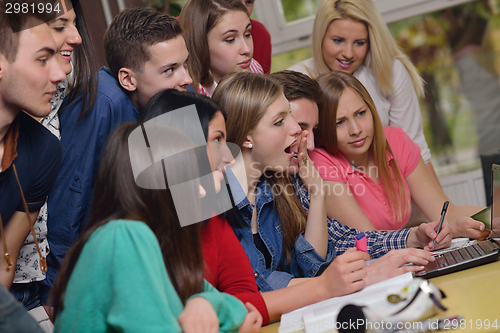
{"x": 120, "y": 284}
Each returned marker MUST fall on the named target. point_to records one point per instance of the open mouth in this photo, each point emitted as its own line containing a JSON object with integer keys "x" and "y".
{"x": 66, "y": 54}
{"x": 292, "y": 151}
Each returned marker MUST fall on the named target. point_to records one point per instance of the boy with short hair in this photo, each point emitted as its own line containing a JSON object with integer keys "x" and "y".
{"x": 30, "y": 155}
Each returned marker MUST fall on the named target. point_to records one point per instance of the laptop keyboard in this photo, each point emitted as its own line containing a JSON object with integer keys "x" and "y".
{"x": 464, "y": 254}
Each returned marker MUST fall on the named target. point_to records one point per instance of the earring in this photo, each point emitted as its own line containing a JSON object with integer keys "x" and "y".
{"x": 250, "y": 145}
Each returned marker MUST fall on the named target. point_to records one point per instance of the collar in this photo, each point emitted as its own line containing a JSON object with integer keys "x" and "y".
{"x": 10, "y": 144}
{"x": 263, "y": 193}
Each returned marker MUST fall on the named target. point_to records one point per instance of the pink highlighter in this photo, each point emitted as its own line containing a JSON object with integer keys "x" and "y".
{"x": 361, "y": 242}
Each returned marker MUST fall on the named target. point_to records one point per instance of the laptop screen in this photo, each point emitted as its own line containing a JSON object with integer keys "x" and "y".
{"x": 495, "y": 193}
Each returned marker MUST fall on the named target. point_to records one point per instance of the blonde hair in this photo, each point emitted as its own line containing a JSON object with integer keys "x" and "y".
{"x": 246, "y": 98}
{"x": 333, "y": 84}
{"x": 383, "y": 49}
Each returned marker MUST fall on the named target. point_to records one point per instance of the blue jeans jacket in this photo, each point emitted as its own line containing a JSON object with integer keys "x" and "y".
{"x": 82, "y": 142}
{"x": 306, "y": 262}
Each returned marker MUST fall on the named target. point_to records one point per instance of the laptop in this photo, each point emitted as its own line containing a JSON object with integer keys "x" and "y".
{"x": 477, "y": 254}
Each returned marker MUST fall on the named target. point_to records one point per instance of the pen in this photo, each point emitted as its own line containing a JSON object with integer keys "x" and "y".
{"x": 443, "y": 213}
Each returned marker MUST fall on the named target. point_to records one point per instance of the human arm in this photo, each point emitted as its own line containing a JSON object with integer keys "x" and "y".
{"x": 424, "y": 235}
{"x": 404, "y": 110}
{"x": 16, "y": 231}
{"x": 429, "y": 197}
{"x": 344, "y": 275}
{"x": 316, "y": 232}
{"x": 343, "y": 236}
{"x": 395, "y": 263}
{"x": 227, "y": 265}
{"x": 344, "y": 208}
{"x": 200, "y": 317}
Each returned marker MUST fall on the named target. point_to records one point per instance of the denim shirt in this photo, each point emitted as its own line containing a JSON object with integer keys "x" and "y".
{"x": 306, "y": 262}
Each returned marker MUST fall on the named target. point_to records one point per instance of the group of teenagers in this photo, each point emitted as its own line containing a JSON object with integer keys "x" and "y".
{"x": 326, "y": 150}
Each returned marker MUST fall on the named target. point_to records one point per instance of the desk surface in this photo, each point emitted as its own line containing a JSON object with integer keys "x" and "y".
{"x": 472, "y": 293}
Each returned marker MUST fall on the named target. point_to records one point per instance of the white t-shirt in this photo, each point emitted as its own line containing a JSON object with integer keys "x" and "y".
{"x": 401, "y": 109}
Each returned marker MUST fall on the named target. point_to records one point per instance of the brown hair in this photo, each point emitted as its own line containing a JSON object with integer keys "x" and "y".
{"x": 12, "y": 23}
{"x": 118, "y": 197}
{"x": 246, "y": 98}
{"x": 333, "y": 84}
{"x": 297, "y": 85}
{"x": 197, "y": 18}
{"x": 132, "y": 32}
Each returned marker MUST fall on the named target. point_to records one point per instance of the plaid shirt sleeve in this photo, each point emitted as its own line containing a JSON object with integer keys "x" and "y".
{"x": 343, "y": 237}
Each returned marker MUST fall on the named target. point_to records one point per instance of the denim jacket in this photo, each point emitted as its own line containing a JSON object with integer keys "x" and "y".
{"x": 306, "y": 262}
{"x": 82, "y": 142}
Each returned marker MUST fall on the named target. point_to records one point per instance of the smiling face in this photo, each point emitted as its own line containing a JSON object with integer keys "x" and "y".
{"x": 230, "y": 44}
{"x": 217, "y": 149}
{"x": 30, "y": 81}
{"x": 165, "y": 69}
{"x": 345, "y": 45}
{"x": 306, "y": 114}
{"x": 355, "y": 127}
{"x": 66, "y": 36}
{"x": 275, "y": 139}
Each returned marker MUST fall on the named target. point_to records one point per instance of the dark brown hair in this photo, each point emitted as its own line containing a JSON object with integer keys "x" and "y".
{"x": 246, "y": 97}
{"x": 197, "y": 18}
{"x": 333, "y": 84}
{"x": 118, "y": 197}
{"x": 132, "y": 33}
{"x": 84, "y": 75}
{"x": 12, "y": 23}
{"x": 297, "y": 85}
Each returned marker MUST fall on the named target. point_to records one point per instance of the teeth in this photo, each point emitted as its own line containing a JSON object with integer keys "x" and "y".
{"x": 295, "y": 155}
{"x": 345, "y": 63}
{"x": 65, "y": 53}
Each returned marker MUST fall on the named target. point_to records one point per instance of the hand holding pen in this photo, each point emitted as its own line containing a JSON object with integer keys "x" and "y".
{"x": 441, "y": 220}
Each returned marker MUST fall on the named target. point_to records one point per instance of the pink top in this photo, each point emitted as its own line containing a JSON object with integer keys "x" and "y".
{"x": 371, "y": 197}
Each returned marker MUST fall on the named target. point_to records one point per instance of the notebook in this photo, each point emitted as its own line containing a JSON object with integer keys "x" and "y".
{"x": 476, "y": 254}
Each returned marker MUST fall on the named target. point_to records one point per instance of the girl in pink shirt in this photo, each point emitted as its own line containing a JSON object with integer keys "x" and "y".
{"x": 372, "y": 172}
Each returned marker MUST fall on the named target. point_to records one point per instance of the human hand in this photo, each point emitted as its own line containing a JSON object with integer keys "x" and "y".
{"x": 346, "y": 273}
{"x": 198, "y": 317}
{"x": 395, "y": 262}
{"x": 307, "y": 171}
{"x": 466, "y": 226}
{"x": 253, "y": 320}
{"x": 425, "y": 233}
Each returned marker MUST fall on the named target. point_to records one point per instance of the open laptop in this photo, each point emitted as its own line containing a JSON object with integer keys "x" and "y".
{"x": 477, "y": 254}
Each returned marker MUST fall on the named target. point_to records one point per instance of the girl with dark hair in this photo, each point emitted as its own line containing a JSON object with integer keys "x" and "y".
{"x": 226, "y": 264}
{"x": 218, "y": 36}
{"x": 135, "y": 268}
{"x": 372, "y": 171}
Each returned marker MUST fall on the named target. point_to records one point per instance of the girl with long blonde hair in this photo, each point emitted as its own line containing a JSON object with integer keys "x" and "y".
{"x": 351, "y": 36}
